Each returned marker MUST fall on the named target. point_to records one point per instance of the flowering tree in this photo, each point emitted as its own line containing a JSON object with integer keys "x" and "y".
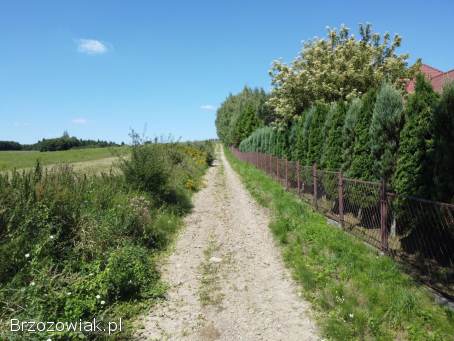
{"x": 335, "y": 68}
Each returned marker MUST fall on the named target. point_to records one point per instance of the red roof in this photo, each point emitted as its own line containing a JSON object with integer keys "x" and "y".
{"x": 436, "y": 77}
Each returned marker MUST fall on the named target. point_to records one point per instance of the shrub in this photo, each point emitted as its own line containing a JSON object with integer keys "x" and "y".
{"x": 444, "y": 146}
{"x": 384, "y": 130}
{"x": 315, "y": 133}
{"x": 414, "y": 167}
{"x": 332, "y": 148}
{"x": 348, "y": 132}
{"x": 362, "y": 160}
{"x": 128, "y": 273}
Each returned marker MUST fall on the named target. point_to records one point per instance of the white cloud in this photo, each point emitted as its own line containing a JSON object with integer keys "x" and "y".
{"x": 208, "y": 107}
{"x": 91, "y": 46}
{"x": 79, "y": 120}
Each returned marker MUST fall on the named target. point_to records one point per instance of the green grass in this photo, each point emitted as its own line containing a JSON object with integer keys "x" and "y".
{"x": 27, "y": 159}
{"x": 356, "y": 293}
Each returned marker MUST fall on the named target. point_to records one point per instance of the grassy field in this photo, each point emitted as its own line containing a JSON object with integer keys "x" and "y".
{"x": 357, "y": 294}
{"x": 26, "y": 159}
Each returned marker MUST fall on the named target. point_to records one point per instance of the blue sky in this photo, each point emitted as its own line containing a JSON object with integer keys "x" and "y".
{"x": 99, "y": 68}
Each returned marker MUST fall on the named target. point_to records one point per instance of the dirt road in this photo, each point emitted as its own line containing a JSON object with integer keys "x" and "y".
{"x": 227, "y": 280}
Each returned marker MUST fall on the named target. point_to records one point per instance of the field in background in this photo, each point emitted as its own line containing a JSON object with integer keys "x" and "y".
{"x": 26, "y": 159}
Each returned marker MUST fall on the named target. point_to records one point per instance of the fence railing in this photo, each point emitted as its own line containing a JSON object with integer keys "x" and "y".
{"x": 417, "y": 232}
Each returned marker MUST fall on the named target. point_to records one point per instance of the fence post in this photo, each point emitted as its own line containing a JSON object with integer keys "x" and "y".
{"x": 286, "y": 174}
{"x": 298, "y": 180}
{"x": 277, "y": 168}
{"x": 383, "y": 216}
{"x": 270, "y": 166}
{"x": 314, "y": 177}
{"x": 341, "y": 199}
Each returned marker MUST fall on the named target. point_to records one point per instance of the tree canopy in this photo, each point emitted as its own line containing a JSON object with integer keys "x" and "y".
{"x": 337, "y": 67}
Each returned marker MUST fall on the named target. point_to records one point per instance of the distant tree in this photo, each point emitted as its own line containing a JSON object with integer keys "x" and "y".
{"x": 10, "y": 145}
{"x": 246, "y": 122}
{"x": 245, "y": 108}
{"x": 384, "y": 130}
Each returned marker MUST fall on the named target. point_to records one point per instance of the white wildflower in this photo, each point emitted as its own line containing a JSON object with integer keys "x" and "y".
{"x": 350, "y": 315}
{"x": 51, "y": 237}
{"x": 98, "y": 297}
{"x": 103, "y": 302}
{"x": 32, "y": 283}
{"x": 68, "y": 293}
{"x": 27, "y": 255}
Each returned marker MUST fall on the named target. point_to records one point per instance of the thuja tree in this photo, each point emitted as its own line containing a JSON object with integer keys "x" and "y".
{"x": 413, "y": 176}
{"x": 337, "y": 67}
{"x": 315, "y": 133}
{"x": 362, "y": 159}
{"x": 444, "y": 146}
{"x": 302, "y": 143}
{"x": 363, "y": 198}
{"x": 414, "y": 171}
{"x": 384, "y": 130}
{"x": 332, "y": 150}
{"x": 348, "y": 133}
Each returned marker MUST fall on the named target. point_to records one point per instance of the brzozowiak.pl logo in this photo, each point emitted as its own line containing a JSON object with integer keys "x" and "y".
{"x": 49, "y": 327}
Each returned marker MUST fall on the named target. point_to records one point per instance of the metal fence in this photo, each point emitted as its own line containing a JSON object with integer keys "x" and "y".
{"x": 417, "y": 232}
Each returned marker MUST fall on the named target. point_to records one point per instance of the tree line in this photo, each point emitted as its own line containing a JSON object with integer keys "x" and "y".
{"x": 64, "y": 142}
{"x": 342, "y": 104}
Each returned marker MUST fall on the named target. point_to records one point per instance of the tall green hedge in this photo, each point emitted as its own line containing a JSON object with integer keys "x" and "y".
{"x": 444, "y": 146}
{"x": 332, "y": 149}
{"x": 316, "y": 138}
{"x": 413, "y": 174}
{"x": 362, "y": 160}
{"x": 348, "y": 133}
{"x": 384, "y": 130}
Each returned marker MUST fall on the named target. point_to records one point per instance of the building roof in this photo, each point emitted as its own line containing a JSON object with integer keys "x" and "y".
{"x": 436, "y": 77}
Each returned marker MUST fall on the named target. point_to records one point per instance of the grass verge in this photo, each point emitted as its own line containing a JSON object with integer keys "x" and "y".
{"x": 356, "y": 293}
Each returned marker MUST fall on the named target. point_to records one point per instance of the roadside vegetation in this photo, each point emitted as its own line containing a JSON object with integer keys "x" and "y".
{"x": 356, "y": 292}
{"x": 75, "y": 247}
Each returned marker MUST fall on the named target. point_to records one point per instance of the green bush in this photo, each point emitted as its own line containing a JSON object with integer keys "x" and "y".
{"x": 74, "y": 246}
{"x": 444, "y": 146}
{"x": 129, "y": 273}
{"x": 332, "y": 148}
{"x": 315, "y": 135}
{"x": 384, "y": 130}
{"x": 362, "y": 160}
{"x": 348, "y": 132}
